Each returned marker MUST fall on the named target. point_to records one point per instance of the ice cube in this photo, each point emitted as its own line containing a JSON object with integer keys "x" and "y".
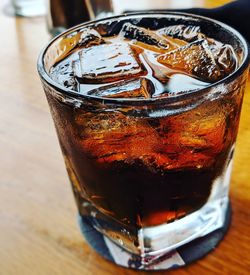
{"x": 114, "y": 136}
{"x": 136, "y": 88}
{"x": 144, "y": 35}
{"x": 187, "y": 33}
{"x": 108, "y": 63}
{"x": 227, "y": 59}
{"x": 192, "y": 139}
{"x": 196, "y": 59}
{"x": 63, "y": 74}
{"x": 179, "y": 83}
{"x": 89, "y": 37}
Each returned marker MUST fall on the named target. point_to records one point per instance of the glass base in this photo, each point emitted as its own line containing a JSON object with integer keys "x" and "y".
{"x": 177, "y": 257}
{"x": 154, "y": 241}
{"x": 166, "y": 237}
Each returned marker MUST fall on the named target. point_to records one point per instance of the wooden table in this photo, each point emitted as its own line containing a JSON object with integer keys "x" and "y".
{"x": 38, "y": 230}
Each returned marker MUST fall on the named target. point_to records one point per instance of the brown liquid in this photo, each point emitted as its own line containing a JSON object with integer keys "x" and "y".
{"x": 138, "y": 170}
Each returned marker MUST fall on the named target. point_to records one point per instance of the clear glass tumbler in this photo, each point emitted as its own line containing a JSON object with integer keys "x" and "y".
{"x": 150, "y": 174}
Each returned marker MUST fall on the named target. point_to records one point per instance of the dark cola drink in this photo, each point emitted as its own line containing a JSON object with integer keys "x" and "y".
{"x": 151, "y": 144}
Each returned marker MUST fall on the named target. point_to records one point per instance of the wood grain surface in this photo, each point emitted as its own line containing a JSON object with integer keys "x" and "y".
{"x": 38, "y": 230}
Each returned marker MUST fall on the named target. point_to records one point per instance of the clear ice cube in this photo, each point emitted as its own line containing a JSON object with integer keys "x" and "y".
{"x": 227, "y": 59}
{"x": 114, "y": 136}
{"x": 63, "y": 74}
{"x": 184, "y": 32}
{"x": 180, "y": 83}
{"x": 89, "y": 37}
{"x": 108, "y": 63}
{"x": 135, "y": 88}
{"x": 202, "y": 59}
{"x": 144, "y": 35}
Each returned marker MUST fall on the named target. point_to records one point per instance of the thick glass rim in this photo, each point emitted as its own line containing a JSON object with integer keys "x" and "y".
{"x": 128, "y": 101}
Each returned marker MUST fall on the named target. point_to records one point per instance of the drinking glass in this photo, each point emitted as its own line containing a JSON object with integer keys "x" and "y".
{"x": 150, "y": 174}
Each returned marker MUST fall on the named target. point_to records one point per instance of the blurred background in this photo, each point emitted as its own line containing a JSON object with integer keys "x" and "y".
{"x": 62, "y": 14}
